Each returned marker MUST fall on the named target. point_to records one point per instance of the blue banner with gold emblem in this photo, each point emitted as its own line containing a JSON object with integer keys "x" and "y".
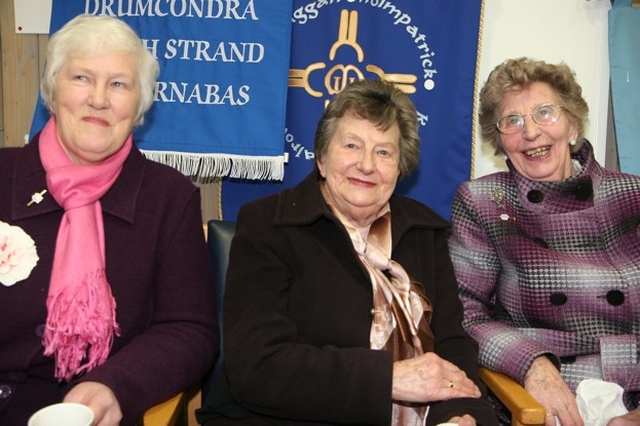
{"x": 428, "y": 48}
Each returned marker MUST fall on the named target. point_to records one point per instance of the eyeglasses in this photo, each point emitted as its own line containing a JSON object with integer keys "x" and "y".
{"x": 544, "y": 115}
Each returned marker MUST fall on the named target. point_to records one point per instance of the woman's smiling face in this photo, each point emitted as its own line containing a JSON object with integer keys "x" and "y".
{"x": 361, "y": 168}
{"x": 95, "y": 104}
{"x": 538, "y": 152}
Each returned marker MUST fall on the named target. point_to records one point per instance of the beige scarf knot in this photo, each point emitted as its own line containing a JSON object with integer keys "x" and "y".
{"x": 401, "y": 312}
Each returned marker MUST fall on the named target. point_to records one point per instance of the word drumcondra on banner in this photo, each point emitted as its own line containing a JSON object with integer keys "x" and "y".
{"x": 207, "y": 9}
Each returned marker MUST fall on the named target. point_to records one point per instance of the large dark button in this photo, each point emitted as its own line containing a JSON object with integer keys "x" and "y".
{"x": 615, "y": 297}
{"x": 5, "y": 391}
{"x": 542, "y": 243}
{"x": 558, "y": 299}
{"x": 535, "y": 196}
{"x": 584, "y": 191}
{"x": 568, "y": 359}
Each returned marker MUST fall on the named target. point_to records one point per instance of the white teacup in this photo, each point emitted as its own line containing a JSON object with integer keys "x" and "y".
{"x": 62, "y": 414}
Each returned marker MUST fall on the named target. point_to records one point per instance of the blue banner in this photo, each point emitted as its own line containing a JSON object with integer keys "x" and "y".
{"x": 624, "y": 63}
{"x": 428, "y": 48}
{"x": 221, "y": 95}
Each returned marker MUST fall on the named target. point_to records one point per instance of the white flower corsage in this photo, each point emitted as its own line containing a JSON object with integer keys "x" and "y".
{"x": 18, "y": 255}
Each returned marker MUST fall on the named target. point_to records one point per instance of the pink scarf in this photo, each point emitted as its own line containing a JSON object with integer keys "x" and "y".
{"x": 81, "y": 319}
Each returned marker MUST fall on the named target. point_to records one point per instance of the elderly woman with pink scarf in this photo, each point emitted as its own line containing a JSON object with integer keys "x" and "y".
{"x": 106, "y": 287}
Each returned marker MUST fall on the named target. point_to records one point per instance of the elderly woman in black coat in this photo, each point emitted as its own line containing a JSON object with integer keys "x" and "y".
{"x": 341, "y": 305}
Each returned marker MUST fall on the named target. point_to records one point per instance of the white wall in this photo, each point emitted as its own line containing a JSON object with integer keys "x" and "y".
{"x": 574, "y": 31}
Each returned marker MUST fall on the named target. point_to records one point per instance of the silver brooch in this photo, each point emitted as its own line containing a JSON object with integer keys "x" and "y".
{"x": 37, "y": 197}
{"x": 497, "y": 196}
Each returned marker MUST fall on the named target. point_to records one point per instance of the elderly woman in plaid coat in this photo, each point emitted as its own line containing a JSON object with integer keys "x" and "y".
{"x": 548, "y": 253}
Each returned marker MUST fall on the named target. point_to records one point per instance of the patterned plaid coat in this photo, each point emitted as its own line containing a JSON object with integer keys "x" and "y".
{"x": 552, "y": 268}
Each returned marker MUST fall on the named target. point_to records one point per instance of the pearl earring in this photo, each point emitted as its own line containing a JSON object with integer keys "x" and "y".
{"x": 572, "y": 142}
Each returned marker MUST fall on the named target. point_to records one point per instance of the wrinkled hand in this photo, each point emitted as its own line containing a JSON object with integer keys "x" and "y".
{"x": 427, "y": 377}
{"x": 100, "y": 399}
{"x": 544, "y": 382}
{"x": 466, "y": 420}
{"x": 632, "y": 418}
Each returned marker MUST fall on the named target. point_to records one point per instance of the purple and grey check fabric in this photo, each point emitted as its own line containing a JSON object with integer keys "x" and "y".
{"x": 552, "y": 268}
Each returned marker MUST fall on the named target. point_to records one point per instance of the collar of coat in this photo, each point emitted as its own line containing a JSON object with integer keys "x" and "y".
{"x": 304, "y": 204}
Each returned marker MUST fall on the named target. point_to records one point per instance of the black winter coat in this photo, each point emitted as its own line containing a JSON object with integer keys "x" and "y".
{"x": 298, "y": 311}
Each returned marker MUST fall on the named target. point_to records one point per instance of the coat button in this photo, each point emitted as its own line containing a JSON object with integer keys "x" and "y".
{"x": 584, "y": 191}
{"x": 570, "y": 359}
{"x": 535, "y": 196}
{"x": 5, "y": 391}
{"x": 615, "y": 297}
{"x": 558, "y": 299}
{"x": 542, "y": 243}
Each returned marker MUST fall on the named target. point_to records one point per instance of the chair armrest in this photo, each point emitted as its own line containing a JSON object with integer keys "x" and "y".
{"x": 525, "y": 410}
{"x": 166, "y": 413}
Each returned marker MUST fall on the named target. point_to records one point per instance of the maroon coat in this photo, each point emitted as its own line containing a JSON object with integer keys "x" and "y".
{"x": 160, "y": 276}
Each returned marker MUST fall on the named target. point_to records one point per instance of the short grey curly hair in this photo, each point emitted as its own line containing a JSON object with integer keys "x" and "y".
{"x": 517, "y": 74}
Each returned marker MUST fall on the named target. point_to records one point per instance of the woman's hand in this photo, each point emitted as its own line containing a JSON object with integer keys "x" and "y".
{"x": 544, "y": 382}
{"x": 430, "y": 378}
{"x": 466, "y": 420}
{"x": 632, "y": 418}
{"x": 100, "y": 399}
